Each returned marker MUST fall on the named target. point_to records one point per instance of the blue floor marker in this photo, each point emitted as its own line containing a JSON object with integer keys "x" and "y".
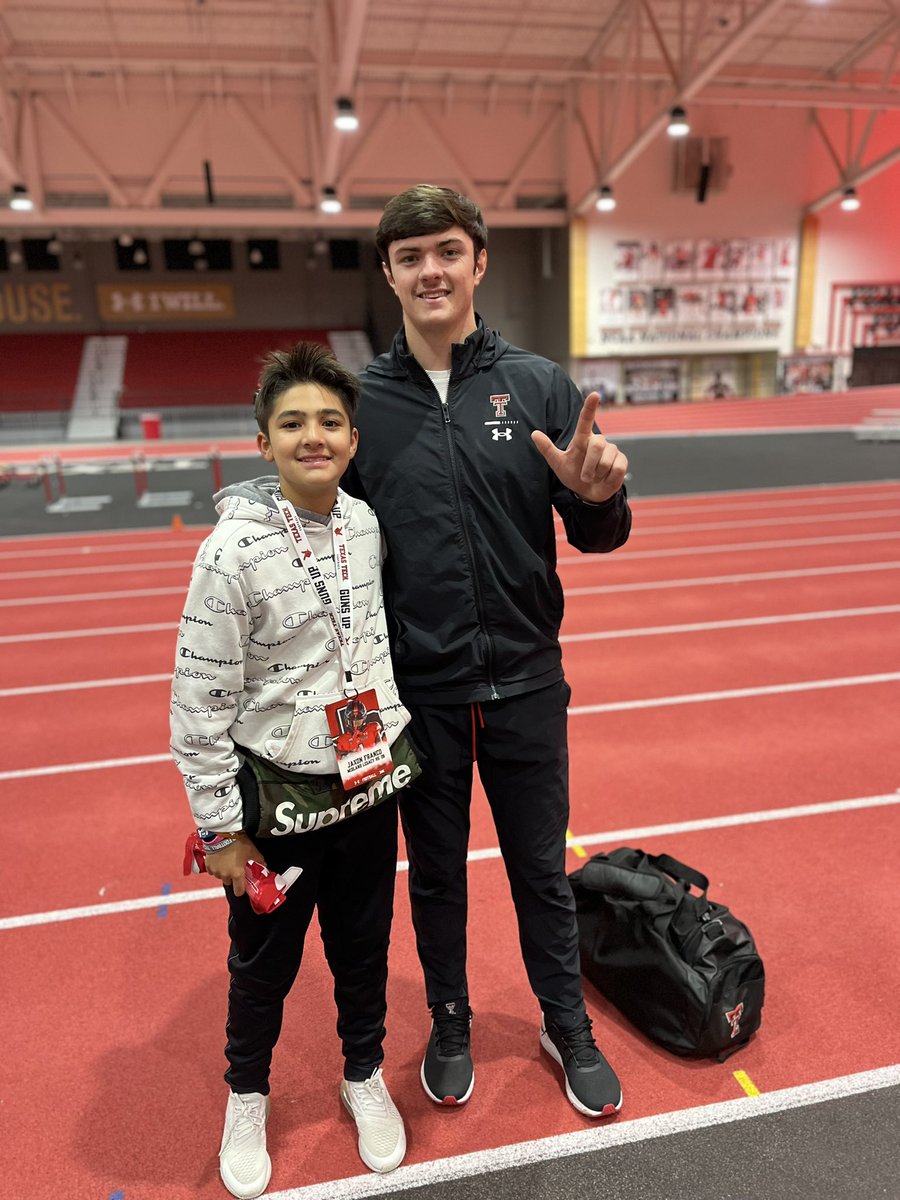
{"x": 162, "y": 911}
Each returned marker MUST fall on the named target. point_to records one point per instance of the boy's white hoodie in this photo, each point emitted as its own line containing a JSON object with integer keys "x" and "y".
{"x": 256, "y": 661}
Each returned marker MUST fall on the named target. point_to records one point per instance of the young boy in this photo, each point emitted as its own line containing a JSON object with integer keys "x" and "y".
{"x": 282, "y": 640}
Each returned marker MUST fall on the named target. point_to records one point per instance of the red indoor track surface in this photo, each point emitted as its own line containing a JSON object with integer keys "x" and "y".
{"x": 736, "y": 664}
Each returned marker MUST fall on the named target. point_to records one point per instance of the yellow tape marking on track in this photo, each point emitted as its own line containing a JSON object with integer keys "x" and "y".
{"x": 580, "y": 851}
{"x": 746, "y": 1083}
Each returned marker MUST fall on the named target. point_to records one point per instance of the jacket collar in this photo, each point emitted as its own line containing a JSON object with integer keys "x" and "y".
{"x": 478, "y": 352}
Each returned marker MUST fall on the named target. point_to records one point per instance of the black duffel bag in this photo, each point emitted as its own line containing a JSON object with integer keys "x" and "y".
{"x": 679, "y": 966}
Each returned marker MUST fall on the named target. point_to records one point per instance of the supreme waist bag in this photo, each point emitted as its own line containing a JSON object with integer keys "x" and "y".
{"x": 278, "y": 802}
{"x": 679, "y": 966}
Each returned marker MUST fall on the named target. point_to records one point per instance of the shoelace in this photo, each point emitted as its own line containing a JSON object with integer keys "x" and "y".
{"x": 452, "y": 1031}
{"x": 370, "y": 1096}
{"x": 579, "y": 1042}
{"x": 250, "y": 1117}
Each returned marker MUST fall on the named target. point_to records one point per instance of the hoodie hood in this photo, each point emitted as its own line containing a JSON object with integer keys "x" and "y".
{"x": 251, "y": 500}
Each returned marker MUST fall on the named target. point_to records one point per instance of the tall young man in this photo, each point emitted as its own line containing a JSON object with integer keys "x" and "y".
{"x": 467, "y": 445}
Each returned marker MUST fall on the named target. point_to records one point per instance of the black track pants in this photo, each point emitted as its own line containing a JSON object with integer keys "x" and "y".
{"x": 349, "y": 871}
{"x": 521, "y": 749}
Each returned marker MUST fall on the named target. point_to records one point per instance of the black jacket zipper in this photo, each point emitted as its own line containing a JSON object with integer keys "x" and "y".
{"x": 476, "y": 588}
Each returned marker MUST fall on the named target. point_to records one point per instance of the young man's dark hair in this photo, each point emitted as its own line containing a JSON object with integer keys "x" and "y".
{"x": 307, "y": 362}
{"x": 425, "y": 209}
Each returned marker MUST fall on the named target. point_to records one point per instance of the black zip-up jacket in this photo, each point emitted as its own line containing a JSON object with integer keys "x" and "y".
{"x": 465, "y": 501}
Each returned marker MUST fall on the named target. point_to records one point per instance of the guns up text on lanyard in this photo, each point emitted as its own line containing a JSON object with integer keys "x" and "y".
{"x": 340, "y": 615}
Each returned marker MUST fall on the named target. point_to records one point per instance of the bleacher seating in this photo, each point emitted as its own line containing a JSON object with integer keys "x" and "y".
{"x": 198, "y": 368}
{"x": 38, "y": 373}
{"x": 182, "y": 376}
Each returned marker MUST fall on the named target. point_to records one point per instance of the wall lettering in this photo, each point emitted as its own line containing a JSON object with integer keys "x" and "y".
{"x": 143, "y": 302}
{"x": 37, "y": 304}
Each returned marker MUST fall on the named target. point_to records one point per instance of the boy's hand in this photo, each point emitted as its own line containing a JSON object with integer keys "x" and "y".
{"x": 590, "y": 466}
{"x": 228, "y": 864}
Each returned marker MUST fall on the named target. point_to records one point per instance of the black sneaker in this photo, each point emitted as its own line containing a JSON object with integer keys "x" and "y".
{"x": 591, "y": 1083}
{"x": 447, "y": 1072}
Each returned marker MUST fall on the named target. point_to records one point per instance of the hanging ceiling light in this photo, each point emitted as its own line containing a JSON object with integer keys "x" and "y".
{"x": 678, "y": 122}
{"x": 54, "y": 245}
{"x": 195, "y": 246}
{"x": 606, "y": 201}
{"x": 345, "y": 117}
{"x": 850, "y": 200}
{"x": 139, "y": 256}
{"x": 19, "y": 198}
{"x": 330, "y": 202}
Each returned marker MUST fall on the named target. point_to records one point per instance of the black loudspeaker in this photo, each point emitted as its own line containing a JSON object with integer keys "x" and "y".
{"x": 38, "y": 256}
{"x": 214, "y": 252}
{"x": 344, "y": 254}
{"x": 263, "y": 254}
{"x": 134, "y": 257}
{"x": 703, "y": 182}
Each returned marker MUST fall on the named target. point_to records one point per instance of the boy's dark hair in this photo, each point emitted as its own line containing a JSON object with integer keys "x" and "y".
{"x": 425, "y": 209}
{"x": 306, "y": 362}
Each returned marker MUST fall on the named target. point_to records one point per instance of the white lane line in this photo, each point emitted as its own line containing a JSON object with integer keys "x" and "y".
{"x": 650, "y": 585}
{"x": 81, "y": 684}
{"x": 671, "y": 505}
{"x": 640, "y": 529}
{"x": 745, "y": 818}
{"x": 752, "y": 500}
{"x": 102, "y": 764}
{"x": 626, "y": 554}
{"x": 132, "y": 547}
{"x": 105, "y": 910}
{"x": 184, "y": 564}
{"x": 601, "y": 590}
{"x": 780, "y": 689}
{"x": 623, "y": 555}
{"x": 728, "y": 431}
{"x": 492, "y": 852}
{"x": 68, "y": 634}
{"x": 836, "y": 614}
{"x": 600, "y": 1137}
{"x": 92, "y": 597}
{"x": 576, "y": 711}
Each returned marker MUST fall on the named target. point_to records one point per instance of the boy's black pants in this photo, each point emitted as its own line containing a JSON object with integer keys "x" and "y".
{"x": 349, "y": 871}
{"x": 521, "y": 750}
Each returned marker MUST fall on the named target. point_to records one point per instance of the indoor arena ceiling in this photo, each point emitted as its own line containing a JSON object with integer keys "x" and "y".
{"x": 122, "y": 113}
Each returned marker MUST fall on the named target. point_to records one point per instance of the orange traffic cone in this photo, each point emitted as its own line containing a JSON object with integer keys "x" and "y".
{"x": 177, "y": 522}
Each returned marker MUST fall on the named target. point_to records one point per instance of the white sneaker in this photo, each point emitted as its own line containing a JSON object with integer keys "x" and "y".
{"x": 244, "y": 1165}
{"x": 382, "y": 1138}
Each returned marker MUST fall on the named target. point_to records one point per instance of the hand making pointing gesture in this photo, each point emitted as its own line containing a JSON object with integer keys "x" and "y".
{"x": 590, "y": 466}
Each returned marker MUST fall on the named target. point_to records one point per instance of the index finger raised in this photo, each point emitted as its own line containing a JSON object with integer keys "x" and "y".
{"x": 584, "y": 427}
